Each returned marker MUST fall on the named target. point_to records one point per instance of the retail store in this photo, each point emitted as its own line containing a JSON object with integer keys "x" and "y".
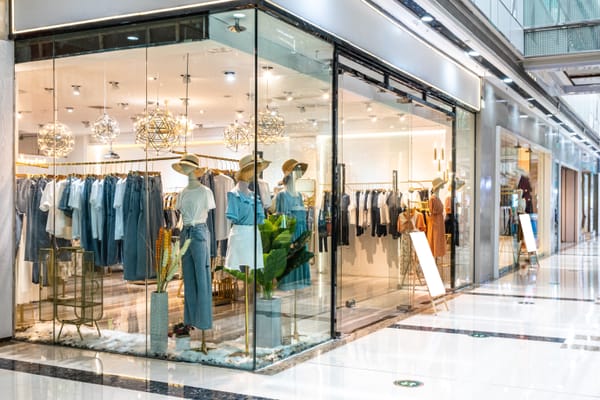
{"x": 232, "y": 186}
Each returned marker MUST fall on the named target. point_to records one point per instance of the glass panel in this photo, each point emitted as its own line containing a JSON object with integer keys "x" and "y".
{"x": 388, "y": 193}
{"x": 294, "y": 135}
{"x": 463, "y": 198}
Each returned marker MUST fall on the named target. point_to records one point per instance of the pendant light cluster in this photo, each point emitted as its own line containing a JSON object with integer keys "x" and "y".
{"x": 270, "y": 126}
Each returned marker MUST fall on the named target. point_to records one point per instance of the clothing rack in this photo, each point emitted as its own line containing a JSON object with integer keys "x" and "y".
{"x": 80, "y": 163}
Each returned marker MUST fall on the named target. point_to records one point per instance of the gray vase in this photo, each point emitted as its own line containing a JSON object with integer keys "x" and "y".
{"x": 159, "y": 322}
{"x": 268, "y": 322}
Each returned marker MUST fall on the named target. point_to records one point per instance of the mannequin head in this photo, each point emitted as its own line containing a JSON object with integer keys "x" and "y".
{"x": 436, "y": 185}
{"x": 293, "y": 170}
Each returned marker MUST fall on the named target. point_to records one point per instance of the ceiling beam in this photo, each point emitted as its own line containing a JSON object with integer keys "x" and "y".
{"x": 562, "y": 61}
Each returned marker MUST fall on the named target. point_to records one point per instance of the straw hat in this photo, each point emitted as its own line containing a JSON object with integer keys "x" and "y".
{"x": 290, "y": 165}
{"x": 187, "y": 160}
{"x": 246, "y": 169}
{"x": 437, "y": 183}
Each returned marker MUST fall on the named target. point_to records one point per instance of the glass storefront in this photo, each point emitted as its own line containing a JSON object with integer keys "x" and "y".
{"x": 521, "y": 182}
{"x": 217, "y": 134}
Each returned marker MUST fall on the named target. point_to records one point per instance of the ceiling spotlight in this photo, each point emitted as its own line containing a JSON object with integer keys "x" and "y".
{"x": 507, "y": 80}
{"x": 152, "y": 78}
{"x": 50, "y": 90}
{"x": 239, "y": 114}
{"x": 302, "y": 109}
{"x": 201, "y": 112}
{"x": 76, "y": 90}
{"x": 86, "y": 124}
{"x": 123, "y": 106}
{"x": 69, "y": 109}
{"x": 186, "y": 78}
{"x": 19, "y": 115}
{"x": 473, "y": 53}
{"x": 185, "y": 100}
{"x": 114, "y": 84}
{"x": 267, "y": 71}
{"x": 402, "y": 117}
{"x": 288, "y": 96}
{"x": 427, "y": 18}
{"x": 369, "y": 108}
{"x": 236, "y": 27}
{"x": 325, "y": 94}
{"x": 133, "y": 38}
{"x": 229, "y": 76}
{"x": 373, "y": 118}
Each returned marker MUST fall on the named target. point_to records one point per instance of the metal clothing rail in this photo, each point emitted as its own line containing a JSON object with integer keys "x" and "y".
{"x": 113, "y": 162}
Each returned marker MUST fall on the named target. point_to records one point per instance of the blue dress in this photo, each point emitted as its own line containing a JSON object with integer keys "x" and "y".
{"x": 293, "y": 206}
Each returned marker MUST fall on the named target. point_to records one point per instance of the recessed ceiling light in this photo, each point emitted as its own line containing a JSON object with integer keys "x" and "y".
{"x": 530, "y": 99}
{"x": 507, "y": 80}
{"x": 523, "y": 116}
{"x": 76, "y": 90}
{"x": 19, "y": 115}
{"x": 133, "y": 38}
{"x": 426, "y": 18}
{"x": 69, "y": 109}
{"x": 473, "y": 53}
{"x": 229, "y": 76}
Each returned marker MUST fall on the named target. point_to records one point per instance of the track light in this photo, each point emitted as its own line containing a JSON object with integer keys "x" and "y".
{"x": 76, "y": 90}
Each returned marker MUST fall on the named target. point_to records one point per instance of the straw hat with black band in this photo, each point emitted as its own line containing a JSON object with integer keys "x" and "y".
{"x": 246, "y": 169}
{"x": 290, "y": 166}
{"x": 185, "y": 162}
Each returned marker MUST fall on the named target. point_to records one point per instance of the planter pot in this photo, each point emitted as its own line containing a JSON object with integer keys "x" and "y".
{"x": 159, "y": 322}
{"x": 268, "y": 322}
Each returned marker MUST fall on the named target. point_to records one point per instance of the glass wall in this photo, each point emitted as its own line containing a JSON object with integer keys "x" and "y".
{"x": 396, "y": 176}
{"x": 143, "y": 156}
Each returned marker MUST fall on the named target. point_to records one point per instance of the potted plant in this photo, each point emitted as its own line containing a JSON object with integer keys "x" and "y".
{"x": 168, "y": 262}
{"x": 281, "y": 256}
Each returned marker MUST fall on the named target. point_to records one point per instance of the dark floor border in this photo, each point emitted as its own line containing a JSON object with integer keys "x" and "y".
{"x": 121, "y": 382}
{"x": 479, "y": 333}
{"x": 524, "y": 296}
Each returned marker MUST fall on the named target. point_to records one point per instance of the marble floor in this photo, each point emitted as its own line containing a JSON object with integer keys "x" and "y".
{"x": 533, "y": 334}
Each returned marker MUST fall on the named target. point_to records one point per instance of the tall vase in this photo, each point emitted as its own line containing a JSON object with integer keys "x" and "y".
{"x": 268, "y": 322}
{"x": 159, "y": 322}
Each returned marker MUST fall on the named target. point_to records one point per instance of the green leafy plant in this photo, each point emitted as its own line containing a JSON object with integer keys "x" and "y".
{"x": 281, "y": 254}
{"x": 168, "y": 259}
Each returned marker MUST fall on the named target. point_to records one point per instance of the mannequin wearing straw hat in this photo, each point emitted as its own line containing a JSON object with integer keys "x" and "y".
{"x": 436, "y": 228}
{"x": 194, "y": 202}
{"x": 243, "y": 209}
{"x": 240, "y": 211}
{"x": 290, "y": 203}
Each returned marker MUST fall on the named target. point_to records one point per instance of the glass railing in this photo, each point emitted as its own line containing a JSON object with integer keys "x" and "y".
{"x": 545, "y": 13}
{"x": 506, "y": 16}
{"x": 562, "y": 41}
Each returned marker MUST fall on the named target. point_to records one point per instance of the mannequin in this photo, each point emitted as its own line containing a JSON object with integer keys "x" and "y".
{"x": 194, "y": 202}
{"x": 241, "y": 213}
{"x": 290, "y": 203}
{"x": 435, "y": 227}
{"x": 450, "y": 221}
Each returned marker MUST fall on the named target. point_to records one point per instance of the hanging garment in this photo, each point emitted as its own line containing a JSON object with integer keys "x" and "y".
{"x": 293, "y": 205}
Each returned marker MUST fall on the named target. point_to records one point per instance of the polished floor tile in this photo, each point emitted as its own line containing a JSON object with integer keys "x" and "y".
{"x": 532, "y": 335}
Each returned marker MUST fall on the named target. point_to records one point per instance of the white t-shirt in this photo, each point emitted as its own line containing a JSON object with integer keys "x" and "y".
{"x": 222, "y": 185}
{"x": 194, "y": 204}
{"x": 118, "y": 206}
{"x": 58, "y": 223}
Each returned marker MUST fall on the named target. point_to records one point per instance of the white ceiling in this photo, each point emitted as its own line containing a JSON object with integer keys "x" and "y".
{"x": 213, "y": 102}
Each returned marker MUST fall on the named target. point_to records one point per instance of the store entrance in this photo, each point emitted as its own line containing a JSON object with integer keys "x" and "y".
{"x": 568, "y": 207}
{"x": 391, "y": 152}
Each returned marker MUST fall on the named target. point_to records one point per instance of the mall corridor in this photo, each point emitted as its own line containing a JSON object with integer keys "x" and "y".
{"x": 533, "y": 334}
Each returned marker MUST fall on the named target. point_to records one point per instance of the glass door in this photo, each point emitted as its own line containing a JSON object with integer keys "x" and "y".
{"x": 390, "y": 152}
